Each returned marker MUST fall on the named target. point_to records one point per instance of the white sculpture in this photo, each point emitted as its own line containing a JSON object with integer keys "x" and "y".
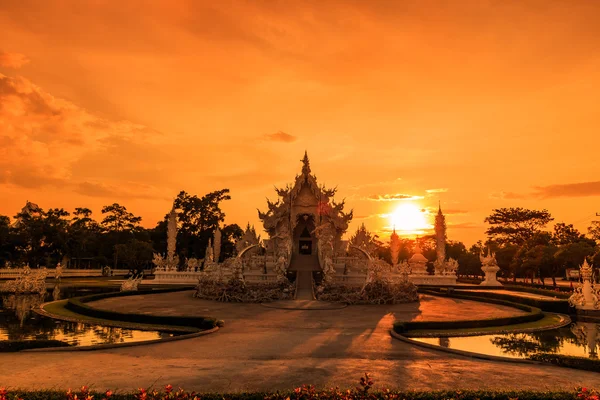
{"x": 192, "y": 264}
{"x": 58, "y": 272}
{"x": 490, "y": 267}
{"x": 418, "y": 262}
{"x": 587, "y": 295}
{"x": 404, "y": 269}
{"x": 131, "y": 283}
{"x": 394, "y": 247}
{"x": 159, "y": 261}
{"x": 440, "y": 243}
{"x": 28, "y": 281}
{"x": 587, "y": 332}
{"x": 217, "y": 244}
{"x": 450, "y": 267}
{"x": 172, "y": 261}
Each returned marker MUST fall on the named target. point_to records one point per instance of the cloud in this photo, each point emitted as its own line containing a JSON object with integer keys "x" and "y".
{"x": 502, "y": 195}
{"x": 393, "y": 197}
{"x": 281, "y": 137}
{"x": 126, "y": 190}
{"x": 12, "y": 60}
{"x": 440, "y": 190}
{"x": 582, "y": 189}
{"x": 48, "y": 142}
{"x": 381, "y": 183}
{"x": 463, "y": 225}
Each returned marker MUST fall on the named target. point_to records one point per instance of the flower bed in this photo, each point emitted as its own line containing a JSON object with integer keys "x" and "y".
{"x": 362, "y": 392}
{"x": 376, "y": 292}
{"x": 238, "y": 291}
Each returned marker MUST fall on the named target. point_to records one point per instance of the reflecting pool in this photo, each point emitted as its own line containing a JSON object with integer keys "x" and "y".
{"x": 18, "y": 321}
{"x": 580, "y": 339}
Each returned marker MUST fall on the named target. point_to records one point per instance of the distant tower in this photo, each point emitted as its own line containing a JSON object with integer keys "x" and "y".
{"x": 171, "y": 238}
{"x": 395, "y": 246}
{"x": 440, "y": 236}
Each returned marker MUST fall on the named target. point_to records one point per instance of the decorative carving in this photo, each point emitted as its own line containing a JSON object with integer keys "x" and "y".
{"x": 587, "y": 295}
{"x": 490, "y": 267}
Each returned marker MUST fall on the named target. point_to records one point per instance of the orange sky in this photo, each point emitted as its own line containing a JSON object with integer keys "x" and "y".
{"x": 487, "y": 103}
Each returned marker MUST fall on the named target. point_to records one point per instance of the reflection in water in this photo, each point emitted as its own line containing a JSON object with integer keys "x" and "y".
{"x": 18, "y": 321}
{"x": 580, "y": 339}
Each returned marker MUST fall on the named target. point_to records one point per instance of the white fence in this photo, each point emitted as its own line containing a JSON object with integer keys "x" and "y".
{"x": 12, "y": 273}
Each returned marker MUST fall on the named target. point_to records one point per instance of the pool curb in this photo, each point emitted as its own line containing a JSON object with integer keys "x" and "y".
{"x": 463, "y": 352}
{"x": 187, "y": 333}
{"x": 120, "y": 345}
{"x": 565, "y": 320}
{"x": 110, "y": 323}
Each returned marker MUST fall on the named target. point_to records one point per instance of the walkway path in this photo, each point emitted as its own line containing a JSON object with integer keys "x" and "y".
{"x": 304, "y": 265}
{"x": 262, "y": 348}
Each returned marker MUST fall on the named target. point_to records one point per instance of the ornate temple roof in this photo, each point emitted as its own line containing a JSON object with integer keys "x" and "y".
{"x": 278, "y": 211}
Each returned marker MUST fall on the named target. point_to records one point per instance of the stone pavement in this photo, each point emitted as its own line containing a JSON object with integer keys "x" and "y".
{"x": 263, "y": 348}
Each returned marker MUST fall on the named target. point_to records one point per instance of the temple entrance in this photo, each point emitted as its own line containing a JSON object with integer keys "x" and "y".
{"x": 304, "y": 242}
{"x": 305, "y": 247}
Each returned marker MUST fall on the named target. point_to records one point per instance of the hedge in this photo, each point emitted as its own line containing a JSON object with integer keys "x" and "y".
{"x": 556, "y": 306}
{"x": 7, "y": 346}
{"x": 79, "y": 306}
{"x": 533, "y": 314}
{"x": 320, "y": 395}
{"x": 587, "y": 364}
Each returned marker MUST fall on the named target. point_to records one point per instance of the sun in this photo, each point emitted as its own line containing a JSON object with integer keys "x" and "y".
{"x": 408, "y": 219}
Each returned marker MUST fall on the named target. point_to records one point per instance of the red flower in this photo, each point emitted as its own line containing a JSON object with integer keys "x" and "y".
{"x": 169, "y": 388}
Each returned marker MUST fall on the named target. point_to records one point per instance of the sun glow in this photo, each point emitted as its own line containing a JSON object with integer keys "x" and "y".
{"x": 408, "y": 218}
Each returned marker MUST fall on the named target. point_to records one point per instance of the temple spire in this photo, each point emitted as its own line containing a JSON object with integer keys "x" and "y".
{"x": 306, "y": 164}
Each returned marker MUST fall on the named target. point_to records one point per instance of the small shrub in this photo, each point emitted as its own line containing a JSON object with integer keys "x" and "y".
{"x": 376, "y": 292}
{"x": 238, "y": 291}
{"x": 587, "y": 364}
{"x": 18, "y": 345}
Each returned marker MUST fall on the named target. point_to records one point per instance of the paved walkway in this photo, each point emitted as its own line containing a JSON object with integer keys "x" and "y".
{"x": 262, "y": 348}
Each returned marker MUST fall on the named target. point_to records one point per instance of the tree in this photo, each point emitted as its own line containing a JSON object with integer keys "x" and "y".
{"x": 83, "y": 234}
{"x": 230, "y": 234}
{"x": 198, "y": 218}
{"x": 55, "y": 240}
{"x": 6, "y": 241}
{"x": 135, "y": 253}
{"x": 566, "y": 234}
{"x": 594, "y": 231}
{"x": 119, "y": 219}
{"x": 515, "y": 225}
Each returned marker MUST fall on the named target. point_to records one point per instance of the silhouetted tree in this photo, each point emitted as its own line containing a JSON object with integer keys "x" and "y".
{"x": 515, "y": 225}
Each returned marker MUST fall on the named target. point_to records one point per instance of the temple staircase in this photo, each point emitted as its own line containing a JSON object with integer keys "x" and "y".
{"x": 304, "y": 265}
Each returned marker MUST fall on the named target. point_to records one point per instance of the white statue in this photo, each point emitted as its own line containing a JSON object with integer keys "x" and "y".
{"x": 490, "y": 267}
{"x": 451, "y": 266}
{"x": 131, "y": 283}
{"x": 58, "y": 272}
{"x": 159, "y": 262}
{"x": 587, "y": 295}
{"x": 418, "y": 262}
{"x": 172, "y": 261}
{"x": 27, "y": 281}
{"x": 217, "y": 244}
{"x": 404, "y": 269}
{"x": 191, "y": 264}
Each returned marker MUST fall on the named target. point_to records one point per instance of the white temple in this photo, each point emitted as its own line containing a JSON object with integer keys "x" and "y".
{"x": 305, "y": 227}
